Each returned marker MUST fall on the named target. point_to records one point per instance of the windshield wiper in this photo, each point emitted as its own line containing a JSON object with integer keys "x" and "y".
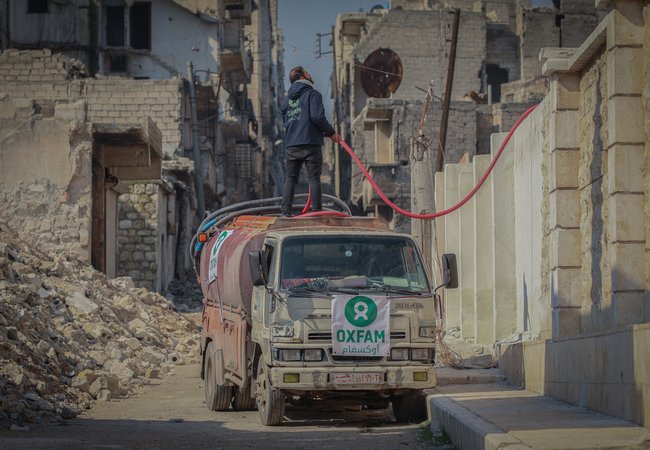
{"x": 394, "y": 289}
{"x": 312, "y": 291}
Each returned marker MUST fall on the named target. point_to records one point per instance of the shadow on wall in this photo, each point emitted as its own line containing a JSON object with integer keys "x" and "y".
{"x": 605, "y": 372}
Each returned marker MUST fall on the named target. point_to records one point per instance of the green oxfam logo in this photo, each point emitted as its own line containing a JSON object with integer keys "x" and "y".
{"x": 360, "y": 311}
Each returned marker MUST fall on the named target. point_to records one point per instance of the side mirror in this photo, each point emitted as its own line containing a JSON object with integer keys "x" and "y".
{"x": 450, "y": 270}
{"x": 255, "y": 259}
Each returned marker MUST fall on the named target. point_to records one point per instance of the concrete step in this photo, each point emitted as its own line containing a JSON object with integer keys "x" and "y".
{"x": 499, "y": 416}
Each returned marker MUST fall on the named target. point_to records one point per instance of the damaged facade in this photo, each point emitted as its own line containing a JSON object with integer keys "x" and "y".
{"x": 497, "y": 76}
{"x": 97, "y": 96}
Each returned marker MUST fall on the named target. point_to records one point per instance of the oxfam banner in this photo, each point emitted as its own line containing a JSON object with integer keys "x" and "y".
{"x": 360, "y": 325}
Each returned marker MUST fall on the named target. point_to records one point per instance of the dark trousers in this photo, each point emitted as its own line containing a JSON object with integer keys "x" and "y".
{"x": 312, "y": 157}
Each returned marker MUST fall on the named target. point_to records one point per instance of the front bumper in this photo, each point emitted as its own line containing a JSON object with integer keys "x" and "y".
{"x": 321, "y": 379}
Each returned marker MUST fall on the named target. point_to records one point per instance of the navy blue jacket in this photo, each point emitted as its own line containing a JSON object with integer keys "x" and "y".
{"x": 304, "y": 116}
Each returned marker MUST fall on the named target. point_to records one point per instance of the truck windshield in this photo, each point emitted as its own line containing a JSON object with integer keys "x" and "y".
{"x": 387, "y": 262}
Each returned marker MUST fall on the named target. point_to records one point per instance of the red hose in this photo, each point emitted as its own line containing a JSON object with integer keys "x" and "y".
{"x": 307, "y": 205}
{"x": 457, "y": 205}
{"x": 377, "y": 189}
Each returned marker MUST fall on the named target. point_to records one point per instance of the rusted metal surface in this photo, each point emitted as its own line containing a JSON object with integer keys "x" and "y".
{"x": 233, "y": 286}
{"x": 381, "y": 73}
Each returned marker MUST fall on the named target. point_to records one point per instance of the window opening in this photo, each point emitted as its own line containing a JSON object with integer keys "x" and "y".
{"x": 140, "y": 25}
{"x": 37, "y": 7}
{"x": 115, "y": 26}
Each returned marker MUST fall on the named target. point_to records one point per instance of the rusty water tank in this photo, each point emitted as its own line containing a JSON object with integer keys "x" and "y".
{"x": 381, "y": 74}
{"x": 224, "y": 273}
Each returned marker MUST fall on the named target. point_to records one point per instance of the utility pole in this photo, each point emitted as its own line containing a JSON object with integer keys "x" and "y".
{"x": 196, "y": 151}
{"x": 422, "y": 185}
{"x": 440, "y": 154}
{"x": 337, "y": 121}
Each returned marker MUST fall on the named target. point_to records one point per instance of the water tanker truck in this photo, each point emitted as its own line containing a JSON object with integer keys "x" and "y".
{"x": 313, "y": 310}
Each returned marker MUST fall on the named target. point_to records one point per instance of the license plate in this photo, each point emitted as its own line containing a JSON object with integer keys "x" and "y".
{"x": 358, "y": 378}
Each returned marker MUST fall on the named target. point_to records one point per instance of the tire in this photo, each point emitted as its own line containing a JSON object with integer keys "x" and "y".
{"x": 217, "y": 397}
{"x": 242, "y": 401}
{"x": 410, "y": 407}
{"x": 270, "y": 401}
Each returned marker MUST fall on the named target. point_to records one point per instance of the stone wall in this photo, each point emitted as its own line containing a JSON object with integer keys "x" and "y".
{"x": 138, "y": 234}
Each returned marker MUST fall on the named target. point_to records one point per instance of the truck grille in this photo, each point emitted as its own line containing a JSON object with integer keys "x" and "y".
{"x": 327, "y": 336}
{"x": 339, "y": 358}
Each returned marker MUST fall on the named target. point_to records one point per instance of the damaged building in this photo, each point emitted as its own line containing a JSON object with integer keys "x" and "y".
{"x": 112, "y": 146}
{"x": 385, "y": 59}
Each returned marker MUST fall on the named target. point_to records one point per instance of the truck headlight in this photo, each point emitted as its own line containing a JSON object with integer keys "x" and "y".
{"x": 290, "y": 354}
{"x": 281, "y": 331}
{"x": 399, "y": 354}
{"x": 313, "y": 354}
{"x": 420, "y": 354}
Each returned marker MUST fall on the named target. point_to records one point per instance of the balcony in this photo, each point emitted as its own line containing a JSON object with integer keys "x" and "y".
{"x": 235, "y": 9}
{"x": 234, "y": 59}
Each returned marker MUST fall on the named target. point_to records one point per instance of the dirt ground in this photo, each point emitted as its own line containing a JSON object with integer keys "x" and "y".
{"x": 173, "y": 415}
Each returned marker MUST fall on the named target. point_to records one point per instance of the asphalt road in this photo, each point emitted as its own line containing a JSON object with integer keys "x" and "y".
{"x": 173, "y": 415}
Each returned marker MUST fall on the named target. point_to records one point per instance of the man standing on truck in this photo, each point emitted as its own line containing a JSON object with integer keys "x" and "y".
{"x": 305, "y": 125}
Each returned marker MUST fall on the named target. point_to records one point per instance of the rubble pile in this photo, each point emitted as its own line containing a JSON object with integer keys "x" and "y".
{"x": 69, "y": 336}
{"x": 186, "y": 294}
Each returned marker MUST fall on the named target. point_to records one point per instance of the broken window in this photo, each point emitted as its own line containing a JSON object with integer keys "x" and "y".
{"x": 115, "y": 32}
{"x": 117, "y": 63}
{"x": 384, "y": 142}
{"x": 496, "y": 76}
{"x": 37, "y": 7}
{"x": 140, "y": 25}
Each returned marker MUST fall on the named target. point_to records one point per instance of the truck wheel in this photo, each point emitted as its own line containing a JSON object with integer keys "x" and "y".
{"x": 409, "y": 407}
{"x": 242, "y": 401}
{"x": 270, "y": 401}
{"x": 217, "y": 396}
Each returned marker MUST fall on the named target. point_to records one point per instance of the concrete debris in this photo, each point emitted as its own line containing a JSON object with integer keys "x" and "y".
{"x": 69, "y": 336}
{"x": 186, "y": 294}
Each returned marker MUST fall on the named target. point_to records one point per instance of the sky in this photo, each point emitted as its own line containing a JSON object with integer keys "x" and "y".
{"x": 300, "y": 20}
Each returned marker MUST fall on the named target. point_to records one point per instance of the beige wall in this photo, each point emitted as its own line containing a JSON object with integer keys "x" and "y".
{"x": 578, "y": 227}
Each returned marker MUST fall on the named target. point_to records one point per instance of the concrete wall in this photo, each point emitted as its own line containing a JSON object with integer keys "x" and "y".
{"x": 65, "y": 23}
{"x": 569, "y": 228}
{"x": 400, "y": 29}
{"x": 46, "y": 179}
{"x": 177, "y": 36}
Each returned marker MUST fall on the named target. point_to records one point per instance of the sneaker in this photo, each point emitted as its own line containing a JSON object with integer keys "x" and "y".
{"x": 285, "y": 214}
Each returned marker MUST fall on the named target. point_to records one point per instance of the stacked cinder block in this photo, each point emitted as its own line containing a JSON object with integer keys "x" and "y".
{"x": 49, "y": 78}
{"x": 37, "y": 66}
